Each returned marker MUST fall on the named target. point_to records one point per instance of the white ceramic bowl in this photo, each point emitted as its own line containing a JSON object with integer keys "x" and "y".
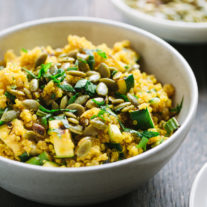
{"x": 175, "y": 31}
{"x": 198, "y": 193}
{"x": 76, "y": 186}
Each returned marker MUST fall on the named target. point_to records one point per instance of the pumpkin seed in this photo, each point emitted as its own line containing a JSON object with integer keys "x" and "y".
{"x": 73, "y": 121}
{"x": 82, "y": 56}
{"x": 76, "y": 73}
{"x": 34, "y": 85}
{"x": 102, "y": 89}
{"x": 53, "y": 70}
{"x": 28, "y": 93}
{"x": 9, "y": 115}
{"x": 94, "y": 78}
{"x": 132, "y": 99}
{"x": 65, "y": 66}
{"x": 122, "y": 105}
{"x": 128, "y": 108}
{"x": 39, "y": 129}
{"x": 31, "y": 104}
{"x": 31, "y": 135}
{"x": 77, "y": 129}
{"x": 115, "y": 101}
{"x": 117, "y": 76}
{"x": 63, "y": 102}
{"x": 104, "y": 70}
{"x": 73, "y": 53}
{"x": 83, "y": 66}
{"x": 98, "y": 124}
{"x": 90, "y": 131}
{"x": 16, "y": 92}
{"x": 91, "y": 104}
{"x": 40, "y": 60}
{"x": 84, "y": 147}
{"x": 55, "y": 105}
{"x": 82, "y": 99}
{"x": 111, "y": 84}
{"x": 65, "y": 59}
{"x": 91, "y": 72}
{"x": 79, "y": 109}
{"x": 69, "y": 114}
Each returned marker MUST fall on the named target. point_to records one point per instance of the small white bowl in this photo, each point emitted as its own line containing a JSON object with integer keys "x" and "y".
{"x": 86, "y": 185}
{"x": 175, "y": 31}
{"x": 198, "y": 195}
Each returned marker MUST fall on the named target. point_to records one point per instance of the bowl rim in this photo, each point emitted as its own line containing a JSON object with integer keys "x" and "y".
{"x": 195, "y": 184}
{"x": 189, "y": 72}
{"x": 156, "y": 20}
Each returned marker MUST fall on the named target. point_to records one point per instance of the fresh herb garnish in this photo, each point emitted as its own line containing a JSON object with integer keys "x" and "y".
{"x": 10, "y": 96}
{"x": 1, "y": 122}
{"x": 72, "y": 68}
{"x": 73, "y": 98}
{"x": 119, "y": 95}
{"x": 24, "y": 157}
{"x": 101, "y": 53}
{"x": 43, "y": 70}
{"x": 87, "y": 86}
{"x": 67, "y": 87}
{"x": 42, "y": 108}
{"x": 178, "y": 108}
{"x": 30, "y": 73}
{"x": 99, "y": 104}
{"x": 113, "y": 73}
{"x": 24, "y": 50}
{"x": 149, "y": 134}
{"x": 91, "y": 61}
{"x": 63, "y": 119}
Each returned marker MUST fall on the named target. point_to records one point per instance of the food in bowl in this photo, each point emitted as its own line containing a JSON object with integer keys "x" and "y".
{"x": 177, "y": 10}
{"x": 81, "y": 105}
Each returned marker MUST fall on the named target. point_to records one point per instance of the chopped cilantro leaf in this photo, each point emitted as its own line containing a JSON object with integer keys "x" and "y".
{"x": 178, "y": 108}
{"x": 73, "y": 98}
{"x": 24, "y": 50}
{"x": 101, "y": 53}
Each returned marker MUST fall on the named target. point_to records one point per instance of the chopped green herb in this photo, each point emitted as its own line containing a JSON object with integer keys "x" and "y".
{"x": 67, "y": 87}
{"x": 53, "y": 95}
{"x": 44, "y": 119}
{"x": 72, "y": 68}
{"x": 1, "y": 122}
{"x": 73, "y": 98}
{"x": 99, "y": 104}
{"x": 10, "y": 96}
{"x": 42, "y": 108}
{"x": 24, "y": 157}
{"x": 178, "y": 108}
{"x": 30, "y": 73}
{"x": 129, "y": 80}
{"x": 43, "y": 70}
{"x": 126, "y": 67}
{"x": 91, "y": 61}
{"x": 119, "y": 95}
{"x": 82, "y": 60}
{"x": 149, "y": 134}
{"x": 113, "y": 73}
{"x": 41, "y": 113}
{"x": 87, "y": 86}
{"x": 143, "y": 143}
{"x": 24, "y": 50}
{"x": 101, "y": 53}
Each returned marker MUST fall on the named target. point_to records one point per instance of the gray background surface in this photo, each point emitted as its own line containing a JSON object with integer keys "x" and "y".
{"x": 171, "y": 186}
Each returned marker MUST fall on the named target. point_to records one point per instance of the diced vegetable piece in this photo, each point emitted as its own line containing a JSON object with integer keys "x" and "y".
{"x": 44, "y": 157}
{"x": 122, "y": 87}
{"x": 129, "y": 82}
{"x": 61, "y": 138}
{"x": 143, "y": 143}
{"x": 143, "y": 118}
{"x": 50, "y": 164}
{"x": 125, "y": 84}
{"x": 115, "y": 133}
{"x": 34, "y": 161}
{"x": 24, "y": 157}
{"x": 171, "y": 125}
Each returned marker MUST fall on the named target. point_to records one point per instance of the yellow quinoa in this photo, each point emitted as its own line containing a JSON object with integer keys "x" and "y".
{"x": 81, "y": 105}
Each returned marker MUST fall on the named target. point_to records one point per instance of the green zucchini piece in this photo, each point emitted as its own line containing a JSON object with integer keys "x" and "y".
{"x": 50, "y": 164}
{"x": 143, "y": 118}
{"x": 62, "y": 139}
{"x": 24, "y": 157}
{"x": 34, "y": 161}
{"x": 171, "y": 125}
{"x": 44, "y": 157}
{"x": 129, "y": 81}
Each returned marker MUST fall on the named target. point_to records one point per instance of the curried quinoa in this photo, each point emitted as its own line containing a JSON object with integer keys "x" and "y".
{"x": 176, "y": 10}
{"x": 81, "y": 105}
